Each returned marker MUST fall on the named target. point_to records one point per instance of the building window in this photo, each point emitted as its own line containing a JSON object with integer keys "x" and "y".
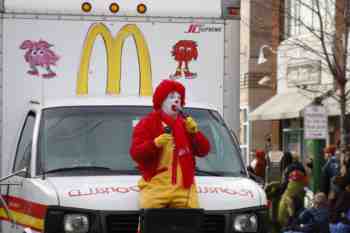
{"x": 244, "y": 133}
{"x": 302, "y": 16}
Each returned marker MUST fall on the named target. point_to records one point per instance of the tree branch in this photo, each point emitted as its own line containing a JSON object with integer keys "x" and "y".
{"x": 323, "y": 43}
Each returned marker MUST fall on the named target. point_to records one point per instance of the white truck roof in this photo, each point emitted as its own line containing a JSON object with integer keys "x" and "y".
{"x": 110, "y": 101}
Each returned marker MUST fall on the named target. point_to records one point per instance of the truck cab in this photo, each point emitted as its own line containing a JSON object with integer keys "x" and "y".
{"x": 78, "y": 169}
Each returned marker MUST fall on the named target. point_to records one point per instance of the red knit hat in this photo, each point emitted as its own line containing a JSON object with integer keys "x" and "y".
{"x": 330, "y": 149}
{"x": 163, "y": 90}
{"x": 296, "y": 176}
{"x": 260, "y": 153}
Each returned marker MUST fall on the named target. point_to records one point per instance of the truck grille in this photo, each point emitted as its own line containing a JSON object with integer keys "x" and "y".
{"x": 122, "y": 223}
{"x": 213, "y": 223}
{"x": 127, "y": 223}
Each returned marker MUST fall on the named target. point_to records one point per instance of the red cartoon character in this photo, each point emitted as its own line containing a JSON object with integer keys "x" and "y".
{"x": 39, "y": 54}
{"x": 183, "y": 52}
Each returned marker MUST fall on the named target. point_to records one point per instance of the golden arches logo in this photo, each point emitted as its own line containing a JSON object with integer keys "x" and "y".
{"x": 114, "y": 47}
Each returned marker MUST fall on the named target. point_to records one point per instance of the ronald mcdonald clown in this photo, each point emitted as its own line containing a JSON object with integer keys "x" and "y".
{"x": 166, "y": 159}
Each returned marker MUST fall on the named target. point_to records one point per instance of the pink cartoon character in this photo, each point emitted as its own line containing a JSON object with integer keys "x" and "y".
{"x": 39, "y": 54}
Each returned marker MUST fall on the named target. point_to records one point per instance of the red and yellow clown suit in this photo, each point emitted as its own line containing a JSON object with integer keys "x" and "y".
{"x": 166, "y": 161}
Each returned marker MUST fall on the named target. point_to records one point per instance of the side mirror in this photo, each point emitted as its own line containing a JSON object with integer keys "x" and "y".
{"x": 22, "y": 171}
{"x": 253, "y": 176}
{"x": 250, "y": 170}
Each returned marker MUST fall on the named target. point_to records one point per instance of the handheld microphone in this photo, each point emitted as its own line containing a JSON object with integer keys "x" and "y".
{"x": 180, "y": 110}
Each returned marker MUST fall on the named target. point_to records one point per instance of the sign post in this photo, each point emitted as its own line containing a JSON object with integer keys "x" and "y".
{"x": 316, "y": 130}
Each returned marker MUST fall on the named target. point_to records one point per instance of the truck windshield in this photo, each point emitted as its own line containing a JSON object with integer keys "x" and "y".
{"x": 100, "y": 137}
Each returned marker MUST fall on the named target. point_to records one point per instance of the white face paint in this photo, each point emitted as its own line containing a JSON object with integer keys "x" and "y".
{"x": 172, "y": 103}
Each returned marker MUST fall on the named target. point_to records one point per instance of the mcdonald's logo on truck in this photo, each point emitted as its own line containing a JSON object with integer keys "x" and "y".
{"x": 114, "y": 47}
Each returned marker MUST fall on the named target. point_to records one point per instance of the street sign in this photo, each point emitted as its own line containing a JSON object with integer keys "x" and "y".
{"x": 315, "y": 122}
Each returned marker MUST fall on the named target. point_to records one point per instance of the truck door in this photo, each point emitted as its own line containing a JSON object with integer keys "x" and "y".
{"x": 18, "y": 195}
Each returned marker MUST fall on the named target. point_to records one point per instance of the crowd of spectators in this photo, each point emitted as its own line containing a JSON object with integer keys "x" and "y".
{"x": 330, "y": 212}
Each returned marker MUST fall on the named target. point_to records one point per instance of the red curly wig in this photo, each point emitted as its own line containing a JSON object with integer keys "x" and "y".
{"x": 163, "y": 90}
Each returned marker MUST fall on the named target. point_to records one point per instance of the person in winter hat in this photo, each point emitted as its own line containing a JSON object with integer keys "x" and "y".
{"x": 259, "y": 163}
{"x": 312, "y": 220}
{"x": 164, "y": 146}
{"x": 330, "y": 170}
{"x": 340, "y": 212}
{"x": 295, "y": 165}
{"x": 292, "y": 200}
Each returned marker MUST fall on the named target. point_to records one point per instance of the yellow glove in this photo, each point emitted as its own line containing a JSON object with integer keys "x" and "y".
{"x": 191, "y": 125}
{"x": 162, "y": 140}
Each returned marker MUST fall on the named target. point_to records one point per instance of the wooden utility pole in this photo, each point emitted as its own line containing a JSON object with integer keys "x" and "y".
{"x": 277, "y": 33}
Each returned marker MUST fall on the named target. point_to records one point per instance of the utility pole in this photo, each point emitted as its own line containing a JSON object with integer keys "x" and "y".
{"x": 277, "y": 32}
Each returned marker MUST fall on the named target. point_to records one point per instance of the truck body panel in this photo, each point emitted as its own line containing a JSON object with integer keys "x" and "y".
{"x": 111, "y": 193}
{"x": 159, "y": 39}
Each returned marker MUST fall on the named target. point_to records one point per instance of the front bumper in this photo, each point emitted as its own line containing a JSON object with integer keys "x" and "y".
{"x": 127, "y": 221}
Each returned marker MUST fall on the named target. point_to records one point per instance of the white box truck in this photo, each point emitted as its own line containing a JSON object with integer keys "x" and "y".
{"x": 76, "y": 77}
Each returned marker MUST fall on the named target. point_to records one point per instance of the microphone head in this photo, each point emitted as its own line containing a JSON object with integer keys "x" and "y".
{"x": 179, "y": 109}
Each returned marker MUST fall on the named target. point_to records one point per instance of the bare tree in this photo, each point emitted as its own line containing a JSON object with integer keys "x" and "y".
{"x": 326, "y": 24}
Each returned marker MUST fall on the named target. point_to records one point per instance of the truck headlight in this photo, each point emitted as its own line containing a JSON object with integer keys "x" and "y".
{"x": 76, "y": 223}
{"x": 245, "y": 223}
